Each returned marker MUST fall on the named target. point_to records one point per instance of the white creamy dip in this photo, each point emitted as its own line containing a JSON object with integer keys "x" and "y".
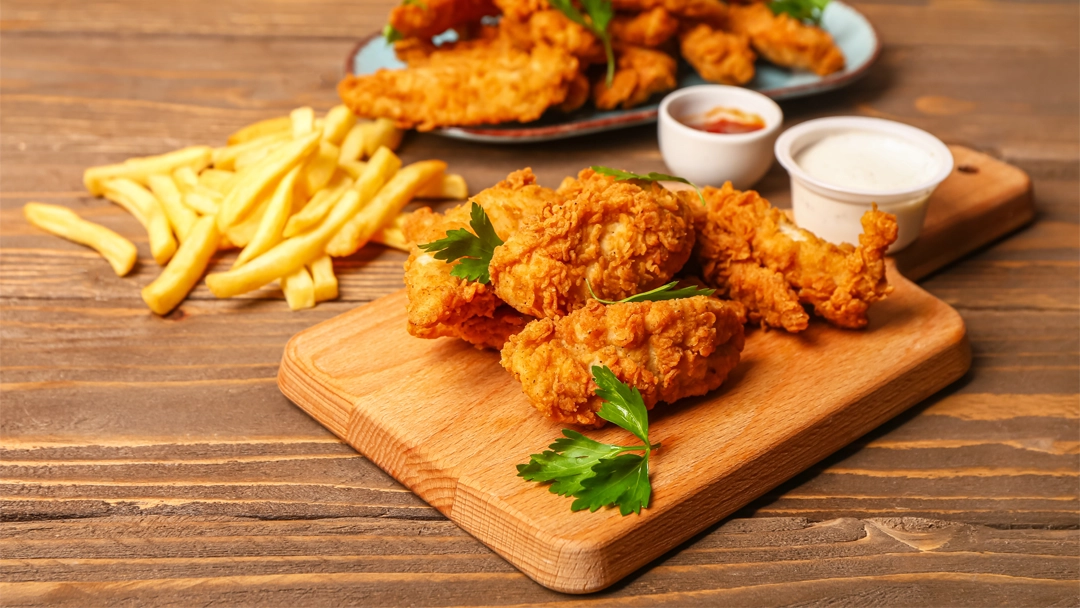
{"x": 868, "y": 161}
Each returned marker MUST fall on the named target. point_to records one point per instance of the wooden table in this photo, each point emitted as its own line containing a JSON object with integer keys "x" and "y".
{"x": 153, "y": 460}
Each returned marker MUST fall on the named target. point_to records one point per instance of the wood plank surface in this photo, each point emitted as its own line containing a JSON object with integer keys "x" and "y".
{"x": 120, "y": 431}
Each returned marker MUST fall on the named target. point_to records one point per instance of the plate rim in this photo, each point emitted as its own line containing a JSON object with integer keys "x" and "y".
{"x": 629, "y": 118}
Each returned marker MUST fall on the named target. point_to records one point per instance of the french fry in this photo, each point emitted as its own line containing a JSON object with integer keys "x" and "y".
{"x": 383, "y": 133}
{"x": 128, "y": 205}
{"x": 253, "y": 156}
{"x": 216, "y": 179}
{"x": 243, "y": 195}
{"x": 317, "y": 207}
{"x": 162, "y": 242}
{"x": 172, "y": 202}
{"x": 195, "y": 195}
{"x": 353, "y": 168}
{"x": 303, "y": 121}
{"x": 63, "y": 222}
{"x": 452, "y": 187}
{"x": 387, "y": 203}
{"x": 241, "y": 233}
{"x": 337, "y": 124}
{"x": 225, "y": 158}
{"x": 186, "y": 178}
{"x": 273, "y": 220}
{"x": 352, "y": 147}
{"x": 261, "y": 128}
{"x": 320, "y": 167}
{"x": 393, "y": 234}
{"x": 285, "y": 257}
{"x": 138, "y": 169}
{"x": 183, "y": 272}
{"x": 201, "y": 203}
{"x": 322, "y": 275}
{"x": 299, "y": 289}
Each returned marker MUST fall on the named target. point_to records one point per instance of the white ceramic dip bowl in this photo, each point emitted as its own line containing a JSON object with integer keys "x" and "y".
{"x": 710, "y": 159}
{"x": 839, "y": 166}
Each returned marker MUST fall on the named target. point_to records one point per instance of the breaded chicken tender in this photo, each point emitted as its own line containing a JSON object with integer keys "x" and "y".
{"x": 650, "y": 28}
{"x": 668, "y": 350}
{"x": 713, "y": 12}
{"x": 786, "y": 41}
{"x": 753, "y": 254}
{"x": 433, "y": 17}
{"x": 487, "y": 83}
{"x": 552, "y": 28}
{"x": 718, "y": 56}
{"x": 443, "y": 305}
{"x": 639, "y": 73}
{"x": 623, "y": 238}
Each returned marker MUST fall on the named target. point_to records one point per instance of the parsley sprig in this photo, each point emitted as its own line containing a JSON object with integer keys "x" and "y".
{"x": 391, "y": 34}
{"x": 598, "y": 14}
{"x": 600, "y": 474}
{"x": 652, "y": 176}
{"x": 471, "y": 250}
{"x": 664, "y": 292}
{"x": 807, "y": 11}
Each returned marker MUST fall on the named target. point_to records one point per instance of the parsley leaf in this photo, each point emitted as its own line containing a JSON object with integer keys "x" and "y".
{"x": 809, "y": 11}
{"x": 600, "y": 13}
{"x": 471, "y": 250}
{"x": 391, "y": 34}
{"x": 664, "y": 292}
{"x": 623, "y": 176}
{"x": 416, "y": 3}
{"x": 600, "y": 474}
{"x": 622, "y": 404}
{"x": 623, "y": 481}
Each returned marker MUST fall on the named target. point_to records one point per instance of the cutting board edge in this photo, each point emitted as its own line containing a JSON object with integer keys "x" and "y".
{"x": 931, "y": 375}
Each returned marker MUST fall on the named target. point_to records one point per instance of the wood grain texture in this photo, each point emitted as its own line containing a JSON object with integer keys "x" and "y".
{"x": 116, "y": 424}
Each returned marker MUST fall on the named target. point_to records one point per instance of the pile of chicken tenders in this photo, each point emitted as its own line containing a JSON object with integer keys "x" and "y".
{"x": 551, "y": 301}
{"x": 514, "y": 59}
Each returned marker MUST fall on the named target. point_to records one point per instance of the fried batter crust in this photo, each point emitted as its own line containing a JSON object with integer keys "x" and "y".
{"x": 639, "y": 73}
{"x": 786, "y": 41}
{"x": 622, "y": 237}
{"x": 668, "y": 350}
{"x": 751, "y": 252}
{"x": 718, "y": 56}
{"x": 442, "y": 305}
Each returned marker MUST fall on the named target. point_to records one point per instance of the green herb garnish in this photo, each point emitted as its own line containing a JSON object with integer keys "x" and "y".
{"x": 664, "y": 292}
{"x": 599, "y": 13}
{"x": 417, "y": 3}
{"x": 391, "y": 34}
{"x": 472, "y": 252}
{"x": 807, "y": 11}
{"x": 623, "y": 176}
{"x": 600, "y": 474}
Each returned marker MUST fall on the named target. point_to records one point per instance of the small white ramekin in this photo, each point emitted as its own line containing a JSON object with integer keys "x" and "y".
{"x": 833, "y": 212}
{"x": 710, "y": 159}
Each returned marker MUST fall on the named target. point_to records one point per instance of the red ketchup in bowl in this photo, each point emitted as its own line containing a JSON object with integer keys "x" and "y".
{"x": 726, "y": 121}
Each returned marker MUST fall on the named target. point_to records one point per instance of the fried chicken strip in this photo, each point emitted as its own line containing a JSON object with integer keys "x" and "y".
{"x": 443, "y": 305}
{"x": 433, "y": 17}
{"x": 751, "y": 252}
{"x": 668, "y": 350}
{"x": 482, "y": 84}
{"x": 620, "y": 237}
{"x": 718, "y": 56}
{"x": 786, "y": 41}
{"x": 639, "y": 73}
{"x": 650, "y": 28}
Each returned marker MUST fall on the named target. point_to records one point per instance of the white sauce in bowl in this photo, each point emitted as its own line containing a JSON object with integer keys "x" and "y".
{"x": 867, "y": 160}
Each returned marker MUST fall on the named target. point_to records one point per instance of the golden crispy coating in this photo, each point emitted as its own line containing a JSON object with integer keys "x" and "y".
{"x": 751, "y": 252}
{"x": 650, "y": 28}
{"x": 639, "y": 73}
{"x": 436, "y": 16}
{"x": 552, "y": 28}
{"x": 577, "y": 95}
{"x": 785, "y": 41}
{"x": 713, "y": 12}
{"x": 444, "y": 305}
{"x": 481, "y": 84}
{"x": 621, "y": 237}
{"x": 718, "y": 56}
{"x": 521, "y": 9}
{"x": 668, "y": 350}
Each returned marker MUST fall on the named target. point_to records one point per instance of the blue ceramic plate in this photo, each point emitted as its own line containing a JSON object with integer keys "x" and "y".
{"x": 851, "y": 31}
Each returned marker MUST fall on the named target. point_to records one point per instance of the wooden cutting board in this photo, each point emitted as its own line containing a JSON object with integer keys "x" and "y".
{"x": 448, "y": 422}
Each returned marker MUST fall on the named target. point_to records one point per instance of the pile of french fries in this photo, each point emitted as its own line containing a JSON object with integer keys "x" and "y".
{"x": 288, "y": 192}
